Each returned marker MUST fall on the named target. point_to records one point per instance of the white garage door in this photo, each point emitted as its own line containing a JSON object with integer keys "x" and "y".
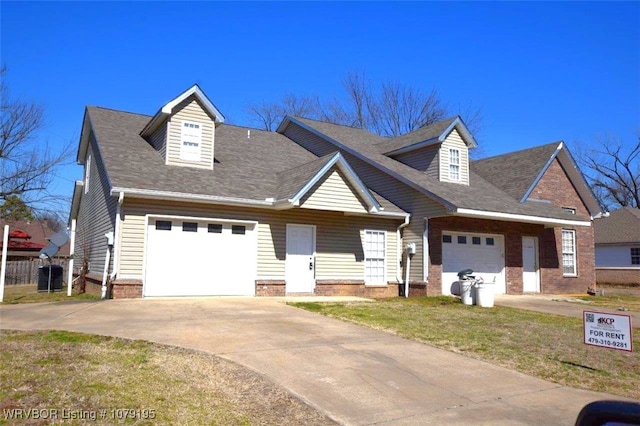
{"x": 194, "y": 257}
{"x": 484, "y": 253}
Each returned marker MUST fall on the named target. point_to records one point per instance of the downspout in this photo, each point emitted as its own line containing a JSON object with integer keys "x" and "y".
{"x": 72, "y": 252}
{"x": 399, "y": 249}
{"x": 116, "y": 248}
{"x": 406, "y": 281}
{"x": 105, "y": 274}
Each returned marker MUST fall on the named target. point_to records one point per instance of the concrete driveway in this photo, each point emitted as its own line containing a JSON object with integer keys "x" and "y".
{"x": 353, "y": 374}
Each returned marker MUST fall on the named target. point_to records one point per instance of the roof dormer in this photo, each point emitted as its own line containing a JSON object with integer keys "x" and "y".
{"x": 441, "y": 150}
{"x": 183, "y": 130}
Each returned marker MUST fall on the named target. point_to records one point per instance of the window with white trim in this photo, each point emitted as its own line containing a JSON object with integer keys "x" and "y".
{"x": 454, "y": 164}
{"x": 635, "y": 255}
{"x": 374, "y": 257}
{"x": 191, "y": 137}
{"x": 569, "y": 252}
{"x": 87, "y": 173}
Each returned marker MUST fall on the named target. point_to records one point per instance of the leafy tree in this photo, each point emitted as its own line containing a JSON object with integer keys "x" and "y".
{"x": 14, "y": 209}
{"x": 613, "y": 171}
{"x": 27, "y": 165}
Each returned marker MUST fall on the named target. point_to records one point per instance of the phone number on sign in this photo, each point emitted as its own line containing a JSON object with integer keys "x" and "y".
{"x": 607, "y": 343}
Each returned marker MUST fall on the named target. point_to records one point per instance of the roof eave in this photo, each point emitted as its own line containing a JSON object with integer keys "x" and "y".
{"x": 512, "y": 217}
{"x": 75, "y": 200}
{"x": 83, "y": 144}
{"x": 339, "y": 161}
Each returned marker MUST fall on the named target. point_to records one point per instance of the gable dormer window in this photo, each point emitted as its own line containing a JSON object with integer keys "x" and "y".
{"x": 454, "y": 164}
{"x": 191, "y": 136}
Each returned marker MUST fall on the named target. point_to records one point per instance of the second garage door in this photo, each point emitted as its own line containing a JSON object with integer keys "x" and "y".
{"x": 186, "y": 257}
{"x": 484, "y": 253}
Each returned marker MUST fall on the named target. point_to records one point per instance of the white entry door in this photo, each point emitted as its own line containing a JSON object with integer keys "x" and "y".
{"x": 300, "y": 263}
{"x": 530, "y": 275}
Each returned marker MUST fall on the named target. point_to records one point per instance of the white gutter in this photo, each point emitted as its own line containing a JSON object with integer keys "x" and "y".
{"x": 196, "y": 198}
{"x": 116, "y": 246}
{"x": 520, "y": 218}
{"x": 399, "y": 249}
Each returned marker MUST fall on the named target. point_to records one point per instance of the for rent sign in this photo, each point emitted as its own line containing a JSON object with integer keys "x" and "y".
{"x": 607, "y": 330}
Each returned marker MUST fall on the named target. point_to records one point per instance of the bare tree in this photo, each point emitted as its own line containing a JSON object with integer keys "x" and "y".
{"x": 268, "y": 116}
{"x": 27, "y": 165}
{"x": 613, "y": 171}
{"x": 390, "y": 109}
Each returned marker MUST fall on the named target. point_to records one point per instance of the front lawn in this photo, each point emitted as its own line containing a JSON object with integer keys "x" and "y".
{"x": 107, "y": 380}
{"x": 623, "y": 302}
{"x": 28, "y": 293}
{"x": 546, "y": 346}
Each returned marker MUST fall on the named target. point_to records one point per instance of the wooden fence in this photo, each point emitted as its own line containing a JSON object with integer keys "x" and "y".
{"x": 26, "y": 271}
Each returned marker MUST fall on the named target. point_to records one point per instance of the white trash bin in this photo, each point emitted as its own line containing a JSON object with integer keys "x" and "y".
{"x": 484, "y": 295}
{"x": 466, "y": 292}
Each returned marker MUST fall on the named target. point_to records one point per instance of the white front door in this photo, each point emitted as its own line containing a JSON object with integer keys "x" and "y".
{"x": 300, "y": 263}
{"x": 530, "y": 276}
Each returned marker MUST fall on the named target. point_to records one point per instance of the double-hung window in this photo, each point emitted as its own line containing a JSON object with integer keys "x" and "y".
{"x": 569, "y": 253}
{"x": 191, "y": 137}
{"x": 635, "y": 255}
{"x": 454, "y": 164}
{"x": 374, "y": 257}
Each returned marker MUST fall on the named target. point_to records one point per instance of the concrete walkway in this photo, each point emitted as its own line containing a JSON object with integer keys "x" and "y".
{"x": 353, "y": 374}
{"x": 559, "y": 305}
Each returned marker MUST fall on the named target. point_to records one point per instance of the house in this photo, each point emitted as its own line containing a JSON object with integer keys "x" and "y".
{"x": 194, "y": 206}
{"x": 617, "y": 242}
{"x": 27, "y": 238}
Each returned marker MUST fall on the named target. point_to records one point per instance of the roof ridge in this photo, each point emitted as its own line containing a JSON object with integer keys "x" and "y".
{"x": 118, "y": 110}
{"x": 519, "y": 151}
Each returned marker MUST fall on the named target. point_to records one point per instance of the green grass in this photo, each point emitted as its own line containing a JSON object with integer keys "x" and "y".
{"x": 547, "y": 346}
{"x": 617, "y": 301}
{"x": 29, "y": 293}
{"x": 56, "y": 370}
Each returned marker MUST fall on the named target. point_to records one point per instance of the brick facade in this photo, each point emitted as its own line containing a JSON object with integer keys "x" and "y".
{"x": 126, "y": 289}
{"x": 618, "y": 276}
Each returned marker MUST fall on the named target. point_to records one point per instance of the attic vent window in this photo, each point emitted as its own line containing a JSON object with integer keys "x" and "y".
{"x": 191, "y": 136}
{"x": 454, "y": 164}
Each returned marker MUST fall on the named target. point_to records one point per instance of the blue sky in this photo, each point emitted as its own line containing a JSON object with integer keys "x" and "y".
{"x": 540, "y": 71}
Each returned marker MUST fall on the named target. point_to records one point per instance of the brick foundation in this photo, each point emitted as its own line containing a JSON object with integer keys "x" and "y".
{"x": 126, "y": 289}
{"x": 266, "y": 288}
{"x": 618, "y": 276}
{"x": 93, "y": 284}
{"x": 354, "y": 288}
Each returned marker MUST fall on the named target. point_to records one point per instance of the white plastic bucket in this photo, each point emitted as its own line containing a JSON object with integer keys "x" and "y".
{"x": 484, "y": 295}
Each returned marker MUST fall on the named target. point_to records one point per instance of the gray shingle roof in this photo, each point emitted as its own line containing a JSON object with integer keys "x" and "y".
{"x": 516, "y": 171}
{"x": 621, "y": 227}
{"x": 480, "y": 194}
{"x": 245, "y": 168}
{"x": 423, "y": 134}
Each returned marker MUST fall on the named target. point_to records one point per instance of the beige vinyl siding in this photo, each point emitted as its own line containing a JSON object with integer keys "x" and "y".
{"x": 454, "y": 141}
{"x": 405, "y": 197}
{"x": 190, "y": 110}
{"x": 333, "y": 193}
{"x": 96, "y": 215}
{"x": 423, "y": 159}
{"x": 339, "y": 248}
{"x": 158, "y": 140}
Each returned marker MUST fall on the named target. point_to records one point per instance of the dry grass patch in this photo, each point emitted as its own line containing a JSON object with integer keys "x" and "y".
{"x": 623, "y": 302}
{"x": 72, "y": 371}
{"x": 547, "y": 346}
{"x": 28, "y": 293}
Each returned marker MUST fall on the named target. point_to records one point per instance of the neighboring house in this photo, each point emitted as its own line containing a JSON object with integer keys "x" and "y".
{"x": 200, "y": 207}
{"x": 617, "y": 239}
{"x": 27, "y": 238}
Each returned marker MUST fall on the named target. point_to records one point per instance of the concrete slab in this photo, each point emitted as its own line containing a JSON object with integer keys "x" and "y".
{"x": 558, "y": 305}
{"x": 353, "y": 374}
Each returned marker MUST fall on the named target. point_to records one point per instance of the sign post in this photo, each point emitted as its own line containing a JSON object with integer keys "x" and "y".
{"x": 607, "y": 330}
